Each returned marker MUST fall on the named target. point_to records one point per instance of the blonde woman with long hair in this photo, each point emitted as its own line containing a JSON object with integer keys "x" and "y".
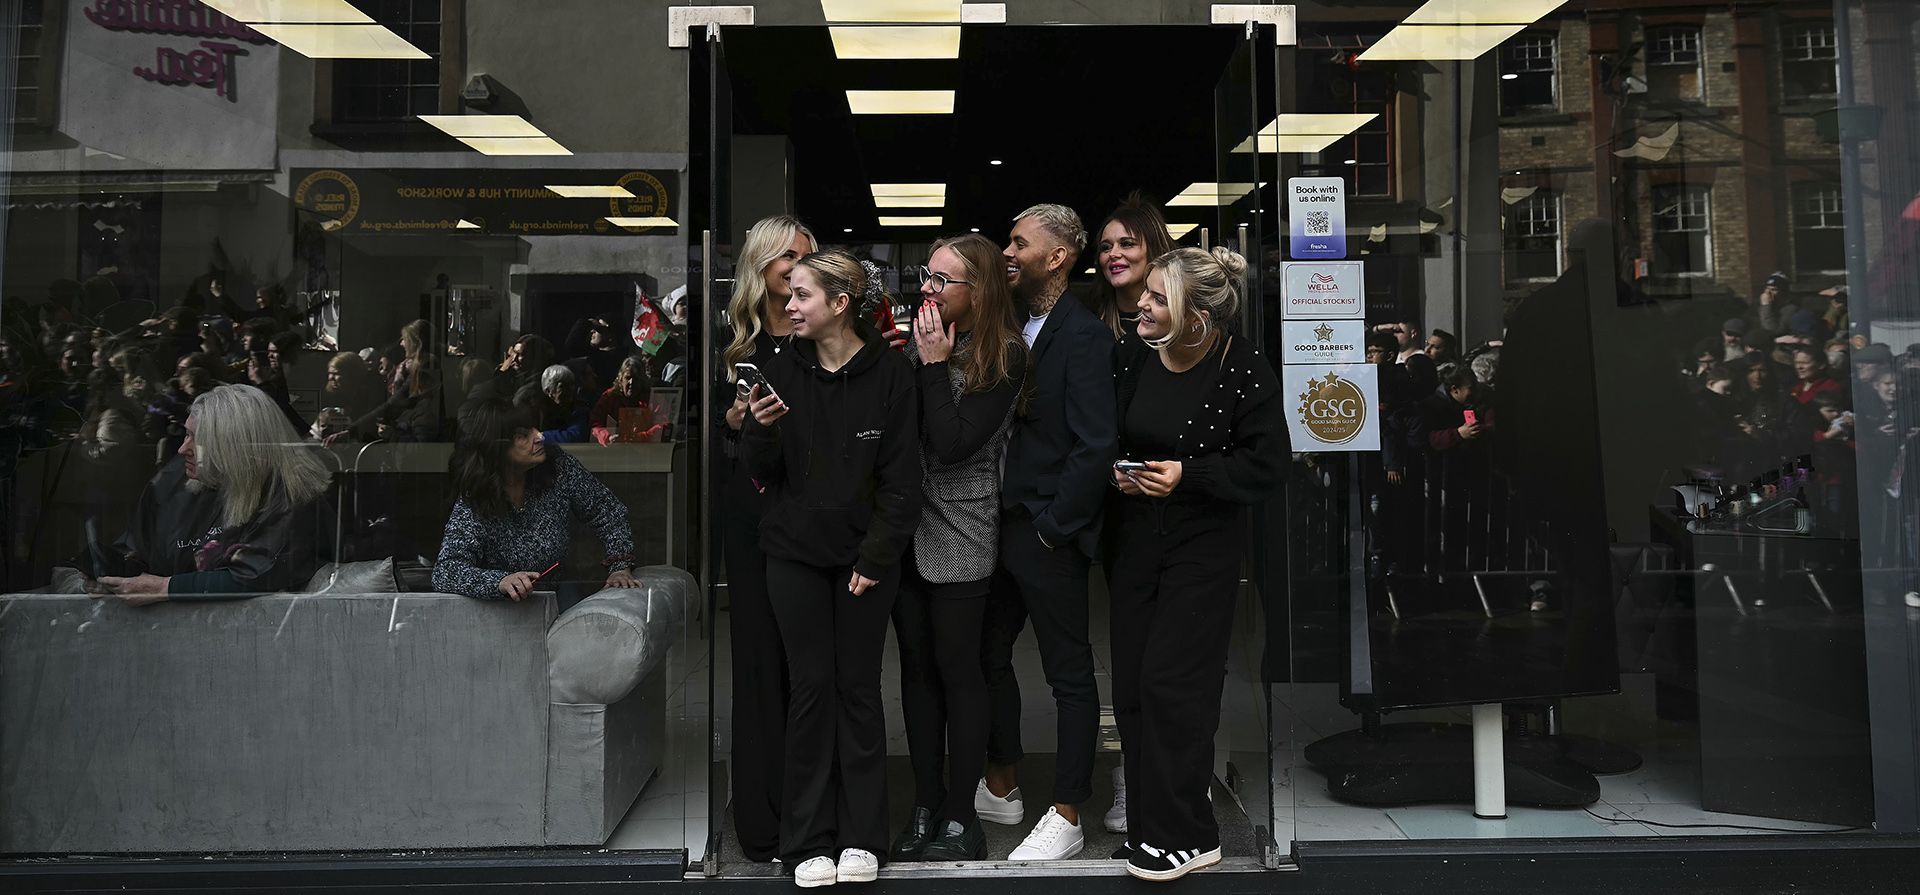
{"x": 1203, "y": 436}
{"x": 761, "y": 330}
{"x": 238, "y": 513}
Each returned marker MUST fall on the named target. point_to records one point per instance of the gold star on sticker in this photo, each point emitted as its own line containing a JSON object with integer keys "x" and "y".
{"x": 1331, "y": 378}
{"x": 1325, "y": 332}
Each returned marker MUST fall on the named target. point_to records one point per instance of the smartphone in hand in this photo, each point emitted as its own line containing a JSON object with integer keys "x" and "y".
{"x": 750, "y": 376}
{"x": 1473, "y": 419}
{"x": 1129, "y": 465}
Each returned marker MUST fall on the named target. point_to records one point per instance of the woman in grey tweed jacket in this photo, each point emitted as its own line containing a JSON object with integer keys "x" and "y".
{"x": 970, "y": 361}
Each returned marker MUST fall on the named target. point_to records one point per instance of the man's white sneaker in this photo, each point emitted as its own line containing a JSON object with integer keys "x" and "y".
{"x": 1052, "y": 839}
{"x": 1009, "y": 810}
{"x": 857, "y": 865}
{"x": 1116, "y": 819}
{"x": 815, "y": 872}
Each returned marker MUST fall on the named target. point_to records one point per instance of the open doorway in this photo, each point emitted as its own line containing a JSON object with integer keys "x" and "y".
{"x": 1079, "y": 116}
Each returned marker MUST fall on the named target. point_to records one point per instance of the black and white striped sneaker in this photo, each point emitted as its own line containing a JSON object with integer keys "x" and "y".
{"x": 1159, "y": 865}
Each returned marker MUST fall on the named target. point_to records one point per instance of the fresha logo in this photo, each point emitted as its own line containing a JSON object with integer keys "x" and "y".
{"x": 1333, "y": 409}
{"x": 1323, "y": 282}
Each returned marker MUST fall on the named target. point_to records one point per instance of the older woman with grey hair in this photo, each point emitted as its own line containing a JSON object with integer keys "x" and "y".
{"x": 239, "y": 511}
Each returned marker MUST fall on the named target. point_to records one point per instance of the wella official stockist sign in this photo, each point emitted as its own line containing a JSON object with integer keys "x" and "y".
{"x": 1318, "y": 290}
{"x": 1317, "y": 217}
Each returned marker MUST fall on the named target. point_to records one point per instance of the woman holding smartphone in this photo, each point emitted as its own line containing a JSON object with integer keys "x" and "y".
{"x": 970, "y": 360}
{"x": 835, "y": 442}
{"x": 761, "y": 331}
{"x": 1202, "y": 436}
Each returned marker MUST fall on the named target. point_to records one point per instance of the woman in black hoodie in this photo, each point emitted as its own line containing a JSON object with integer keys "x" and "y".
{"x": 836, "y": 445}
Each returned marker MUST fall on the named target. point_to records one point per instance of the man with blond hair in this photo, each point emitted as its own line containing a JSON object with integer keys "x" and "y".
{"x": 1057, "y": 471}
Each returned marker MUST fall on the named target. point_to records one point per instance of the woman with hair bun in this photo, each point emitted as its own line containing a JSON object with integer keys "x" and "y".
{"x": 836, "y": 444}
{"x": 1202, "y": 437}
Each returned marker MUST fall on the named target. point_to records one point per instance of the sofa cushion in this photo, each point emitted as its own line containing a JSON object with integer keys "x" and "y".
{"x": 604, "y": 646}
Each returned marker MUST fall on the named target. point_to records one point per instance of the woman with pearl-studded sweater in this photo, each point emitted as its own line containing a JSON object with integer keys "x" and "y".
{"x": 1203, "y": 411}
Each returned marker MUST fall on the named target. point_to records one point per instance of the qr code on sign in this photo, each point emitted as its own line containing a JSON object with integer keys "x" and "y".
{"x": 1319, "y": 223}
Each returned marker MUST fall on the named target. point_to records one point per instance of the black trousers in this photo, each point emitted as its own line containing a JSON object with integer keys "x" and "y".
{"x": 943, "y": 690}
{"x": 759, "y": 684}
{"x": 1173, "y": 582}
{"x": 1048, "y": 586}
{"x": 836, "y": 764}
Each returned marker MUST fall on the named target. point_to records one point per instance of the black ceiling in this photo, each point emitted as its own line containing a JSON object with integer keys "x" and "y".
{"x": 1079, "y": 116}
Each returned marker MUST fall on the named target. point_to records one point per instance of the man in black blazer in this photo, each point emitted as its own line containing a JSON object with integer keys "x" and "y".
{"x": 1058, "y": 471}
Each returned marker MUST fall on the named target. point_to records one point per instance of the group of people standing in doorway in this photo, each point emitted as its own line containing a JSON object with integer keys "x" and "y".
{"x": 961, "y": 489}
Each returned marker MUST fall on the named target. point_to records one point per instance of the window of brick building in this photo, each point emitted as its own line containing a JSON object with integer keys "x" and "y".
{"x": 367, "y": 91}
{"x": 1683, "y": 230}
{"x": 1674, "y": 63}
{"x": 27, "y": 62}
{"x": 1819, "y": 229}
{"x": 1810, "y": 62}
{"x": 1527, "y": 66}
{"x": 1533, "y": 237}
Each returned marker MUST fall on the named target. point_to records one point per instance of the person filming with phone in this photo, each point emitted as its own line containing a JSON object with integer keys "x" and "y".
{"x": 834, "y": 438}
{"x": 1203, "y": 436}
{"x": 509, "y": 529}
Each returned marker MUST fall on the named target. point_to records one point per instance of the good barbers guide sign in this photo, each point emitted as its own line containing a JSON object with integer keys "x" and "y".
{"x": 1333, "y": 392}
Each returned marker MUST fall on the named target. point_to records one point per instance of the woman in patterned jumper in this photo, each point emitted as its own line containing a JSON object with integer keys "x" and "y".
{"x": 969, "y": 361}
{"x": 517, "y": 496}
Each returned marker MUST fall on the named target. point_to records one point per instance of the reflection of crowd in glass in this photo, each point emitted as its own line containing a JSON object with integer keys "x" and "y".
{"x": 115, "y": 401}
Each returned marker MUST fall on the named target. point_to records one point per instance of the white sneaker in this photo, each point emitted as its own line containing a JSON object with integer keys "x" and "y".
{"x": 857, "y": 865}
{"x": 815, "y": 872}
{"x": 1052, "y": 839}
{"x": 1009, "y": 810}
{"x": 1116, "y": 819}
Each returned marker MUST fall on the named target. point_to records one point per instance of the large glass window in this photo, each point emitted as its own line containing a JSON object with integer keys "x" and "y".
{"x": 1819, "y": 229}
{"x": 389, "y": 90}
{"x": 1533, "y": 235}
{"x": 1527, "y": 66}
{"x": 1809, "y": 62}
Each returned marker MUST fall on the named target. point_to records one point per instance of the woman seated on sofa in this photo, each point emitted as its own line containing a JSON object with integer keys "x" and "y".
{"x": 508, "y": 528}
{"x": 239, "y": 511}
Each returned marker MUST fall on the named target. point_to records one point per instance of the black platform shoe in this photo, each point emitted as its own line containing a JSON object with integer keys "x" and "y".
{"x": 913, "y": 840}
{"x": 957, "y": 842}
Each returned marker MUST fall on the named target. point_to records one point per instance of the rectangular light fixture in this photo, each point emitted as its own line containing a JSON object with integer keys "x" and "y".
{"x": 466, "y": 225}
{"x": 515, "y": 145}
{"x": 300, "y": 12}
{"x": 1212, "y": 194}
{"x": 484, "y": 125}
{"x": 909, "y": 189}
{"x": 900, "y": 102}
{"x": 1179, "y": 231}
{"x": 910, "y": 221}
{"x": 909, "y": 201}
{"x": 896, "y": 42}
{"x": 912, "y": 11}
{"x": 590, "y": 192}
{"x": 1439, "y": 42}
{"x": 636, "y": 223}
{"x": 1304, "y": 132}
{"x": 341, "y": 41}
{"x": 1481, "y": 12}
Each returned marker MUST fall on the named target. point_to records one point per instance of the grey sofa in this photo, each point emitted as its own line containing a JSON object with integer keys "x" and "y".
{"x": 330, "y": 721}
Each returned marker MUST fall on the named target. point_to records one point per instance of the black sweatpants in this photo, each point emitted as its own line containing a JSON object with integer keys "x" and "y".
{"x": 943, "y": 690}
{"x": 836, "y": 767}
{"x": 1050, "y": 587}
{"x": 759, "y": 681}
{"x": 1173, "y": 598}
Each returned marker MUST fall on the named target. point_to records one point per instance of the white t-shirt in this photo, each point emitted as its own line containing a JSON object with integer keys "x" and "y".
{"x": 1032, "y": 330}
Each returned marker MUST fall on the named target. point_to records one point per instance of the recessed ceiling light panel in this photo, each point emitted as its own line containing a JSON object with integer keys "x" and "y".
{"x": 591, "y": 192}
{"x": 637, "y": 223}
{"x": 1179, "y": 230}
{"x": 1482, "y": 12}
{"x": 909, "y": 201}
{"x": 896, "y": 42}
{"x": 515, "y": 145}
{"x": 909, "y": 11}
{"x": 909, "y": 189}
{"x": 910, "y": 221}
{"x": 342, "y": 41}
{"x": 304, "y": 12}
{"x": 900, "y": 102}
{"x": 484, "y": 125}
{"x": 1439, "y": 42}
